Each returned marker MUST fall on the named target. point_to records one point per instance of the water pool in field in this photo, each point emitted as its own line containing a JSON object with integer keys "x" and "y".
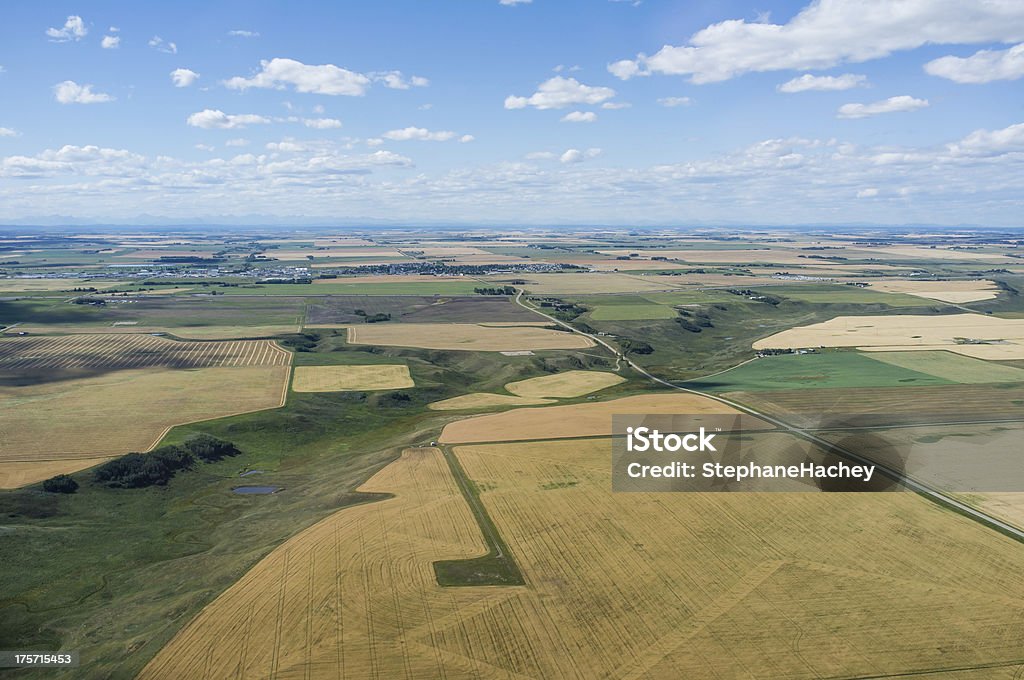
{"x": 255, "y": 490}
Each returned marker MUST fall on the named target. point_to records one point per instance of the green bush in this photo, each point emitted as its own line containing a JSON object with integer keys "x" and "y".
{"x": 60, "y": 484}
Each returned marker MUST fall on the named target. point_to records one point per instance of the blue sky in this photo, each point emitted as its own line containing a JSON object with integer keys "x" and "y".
{"x": 544, "y": 112}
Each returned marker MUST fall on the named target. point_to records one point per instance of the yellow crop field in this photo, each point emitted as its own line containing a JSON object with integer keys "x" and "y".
{"x": 977, "y": 335}
{"x": 628, "y": 585}
{"x": 566, "y": 384}
{"x": 946, "y": 291}
{"x": 66, "y": 425}
{"x": 481, "y": 400}
{"x": 574, "y": 420}
{"x": 466, "y": 336}
{"x": 12, "y": 285}
{"x": 351, "y": 378}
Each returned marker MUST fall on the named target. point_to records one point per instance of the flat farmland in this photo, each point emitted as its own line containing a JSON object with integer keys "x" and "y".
{"x": 111, "y": 352}
{"x": 340, "y": 309}
{"x": 351, "y": 378}
{"x": 632, "y": 312}
{"x": 575, "y": 284}
{"x": 951, "y": 366}
{"x": 69, "y": 425}
{"x": 565, "y": 384}
{"x": 947, "y": 291}
{"x": 475, "y": 337}
{"x": 618, "y": 585}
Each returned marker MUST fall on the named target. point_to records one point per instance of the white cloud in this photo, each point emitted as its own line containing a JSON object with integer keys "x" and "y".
{"x": 891, "y": 105}
{"x": 70, "y": 92}
{"x": 572, "y": 156}
{"x": 827, "y": 33}
{"x": 328, "y": 79}
{"x": 423, "y": 134}
{"x": 238, "y": 141}
{"x": 540, "y": 155}
{"x": 161, "y": 45}
{"x": 183, "y": 77}
{"x": 241, "y": 33}
{"x": 512, "y": 3}
{"x": 396, "y": 81}
{"x": 113, "y": 29}
{"x": 870, "y": 192}
{"x": 214, "y": 118}
{"x": 981, "y": 67}
{"x": 8, "y": 132}
{"x": 374, "y": 141}
{"x": 981, "y": 143}
{"x": 204, "y": 147}
{"x": 321, "y": 123}
{"x": 465, "y": 139}
{"x": 560, "y": 92}
{"x": 579, "y": 117}
{"x": 807, "y": 82}
{"x": 110, "y": 42}
{"x": 615, "y": 106}
{"x": 73, "y": 29}
{"x": 673, "y": 102}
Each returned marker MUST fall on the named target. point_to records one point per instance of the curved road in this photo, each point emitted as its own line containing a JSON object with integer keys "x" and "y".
{"x": 929, "y": 492}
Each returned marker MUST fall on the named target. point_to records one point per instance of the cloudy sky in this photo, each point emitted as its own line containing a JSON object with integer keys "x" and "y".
{"x": 647, "y": 112}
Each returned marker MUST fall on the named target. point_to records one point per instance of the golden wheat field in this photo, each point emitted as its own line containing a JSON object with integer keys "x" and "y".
{"x": 629, "y": 585}
{"x": 977, "y": 335}
{"x": 946, "y": 291}
{"x": 566, "y": 384}
{"x": 481, "y": 400}
{"x": 66, "y": 425}
{"x": 574, "y": 420}
{"x": 350, "y": 378}
{"x": 466, "y": 336}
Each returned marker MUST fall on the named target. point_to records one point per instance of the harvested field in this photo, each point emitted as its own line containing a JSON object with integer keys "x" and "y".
{"x": 950, "y": 366}
{"x": 946, "y": 291}
{"x": 131, "y": 351}
{"x": 482, "y": 400}
{"x": 618, "y": 585}
{"x": 927, "y": 253}
{"x": 351, "y": 378}
{"x": 574, "y": 420}
{"x": 65, "y": 426}
{"x": 566, "y": 384}
{"x": 473, "y": 337}
{"x": 969, "y": 334}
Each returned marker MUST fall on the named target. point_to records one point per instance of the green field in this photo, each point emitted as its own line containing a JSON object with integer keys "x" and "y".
{"x": 428, "y": 286}
{"x": 846, "y": 295}
{"x": 951, "y": 366}
{"x": 827, "y": 369}
{"x": 631, "y": 312}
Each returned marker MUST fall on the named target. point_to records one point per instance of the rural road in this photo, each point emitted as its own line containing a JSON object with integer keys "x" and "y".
{"x": 929, "y": 492}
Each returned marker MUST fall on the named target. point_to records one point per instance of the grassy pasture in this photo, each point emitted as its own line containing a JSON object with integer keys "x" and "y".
{"x": 465, "y": 337}
{"x": 351, "y": 378}
{"x": 564, "y": 385}
{"x": 826, "y": 369}
{"x": 427, "y": 286}
{"x": 416, "y": 309}
{"x": 847, "y": 295}
{"x": 631, "y": 312}
{"x": 951, "y": 366}
{"x": 484, "y": 400}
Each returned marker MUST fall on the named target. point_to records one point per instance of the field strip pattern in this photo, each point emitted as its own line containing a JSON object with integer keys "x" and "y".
{"x": 128, "y": 351}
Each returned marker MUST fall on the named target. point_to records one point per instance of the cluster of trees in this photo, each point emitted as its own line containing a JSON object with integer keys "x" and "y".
{"x": 138, "y": 470}
{"x": 630, "y": 346}
{"x": 693, "y": 322}
{"x": 372, "y": 318}
{"x": 302, "y": 342}
{"x": 60, "y": 484}
{"x": 502, "y": 290}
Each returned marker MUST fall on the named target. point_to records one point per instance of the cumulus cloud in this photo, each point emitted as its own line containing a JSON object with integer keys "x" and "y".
{"x": 238, "y": 141}
{"x": 465, "y": 139}
{"x": 807, "y": 82}
{"x": 321, "y": 123}
{"x": 110, "y": 42}
{"x": 73, "y": 30}
{"x": 513, "y": 3}
{"x": 572, "y": 156}
{"x": 241, "y": 33}
{"x": 990, "y": 143}
{"x": 891, "y": 105}
{"x": 417, "y": 133}
{"x": 560, "y": 92}
{"x": 675, "y": 101}
{"x": 70, "y": 92}
{"x": 579, "y": 117}
{"x": 981, "y": 67}
{"x": 279, "y": 74}
{"x": 161, "y": 45}
{"x": 869, "y": 192}
{"x": 8, "y": 132}
{"x": 396, "y": 81}
{"x": 217, "y": 119}
{"x": 204, "y": 147}
{"x": 183, "y": 77}
{"x": 825, "y": 34}
{"x": 614, "y": 106}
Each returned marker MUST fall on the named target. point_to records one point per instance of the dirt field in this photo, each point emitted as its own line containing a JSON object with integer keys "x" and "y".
{"x": 618, "y": 585}
{"x": 977, "y": 335}
{"x": 566, "y": 384}
{"x": 946, "y": 291}
{"x": 350, "y": 378}
{"x": 482, "y": 400}
{"x": 66, "y": 425}
{"x": 465, "y": 336}
{"x": 123, "y": 351}
{"x": 573, "y": 420}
